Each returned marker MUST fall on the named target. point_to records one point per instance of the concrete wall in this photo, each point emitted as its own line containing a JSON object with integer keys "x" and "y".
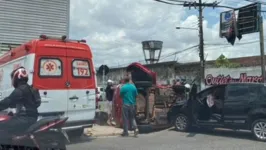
{"x": 191, "y": 71}
{"x": 166, "y": 72}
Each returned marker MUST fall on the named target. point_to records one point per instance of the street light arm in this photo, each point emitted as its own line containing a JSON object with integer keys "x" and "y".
{"x": 187, "y": 28}
{"x": 180, "y": 1}
{"x": 221, "y": 6}
{"x": 168, "y": 2}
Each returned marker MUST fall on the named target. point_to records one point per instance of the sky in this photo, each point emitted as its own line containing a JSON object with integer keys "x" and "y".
{"x": 114, "y": 30}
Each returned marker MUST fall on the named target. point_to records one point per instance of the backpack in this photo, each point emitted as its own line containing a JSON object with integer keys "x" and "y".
{"x": 36, "y": 96}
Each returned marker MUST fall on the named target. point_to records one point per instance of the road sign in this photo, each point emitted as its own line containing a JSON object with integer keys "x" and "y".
{"x": 103, "y": 70}
{"x": 248, "y": 18}
{"x": 227, "y": 23}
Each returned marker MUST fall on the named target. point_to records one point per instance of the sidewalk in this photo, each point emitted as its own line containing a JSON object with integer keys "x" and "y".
{"x": 98, "y": 131}
{"x": 101, "y": 128}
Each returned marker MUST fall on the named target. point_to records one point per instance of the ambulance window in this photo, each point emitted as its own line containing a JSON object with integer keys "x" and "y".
{"x": 81, "y": 68}
{"x": 50, "y": 67}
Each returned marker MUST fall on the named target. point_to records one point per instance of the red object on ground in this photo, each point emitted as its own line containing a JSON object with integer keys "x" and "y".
{"x": 4, "y": 117}
{"x": 117, "y": 106}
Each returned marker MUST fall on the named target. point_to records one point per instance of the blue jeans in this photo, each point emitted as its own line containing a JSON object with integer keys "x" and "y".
{"x": 129, "y": 113}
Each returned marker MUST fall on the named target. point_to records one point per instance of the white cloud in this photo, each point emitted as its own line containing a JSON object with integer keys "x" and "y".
{"x": 114, "y": 29}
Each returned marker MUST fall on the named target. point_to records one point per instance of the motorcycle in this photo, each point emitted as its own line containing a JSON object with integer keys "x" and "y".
{"x": 45, "y": 134}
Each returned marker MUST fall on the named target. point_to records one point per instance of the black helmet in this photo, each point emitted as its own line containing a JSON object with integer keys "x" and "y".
{"x": 19, "y": 75}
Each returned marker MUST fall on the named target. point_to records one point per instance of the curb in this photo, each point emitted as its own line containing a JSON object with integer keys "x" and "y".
{"x": 91, "y": 134}
{"x": 105, "y": 135}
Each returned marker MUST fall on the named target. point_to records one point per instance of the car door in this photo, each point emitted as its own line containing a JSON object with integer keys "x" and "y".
{"x": 236, "y": 104}
{"x": 81, "y": 84}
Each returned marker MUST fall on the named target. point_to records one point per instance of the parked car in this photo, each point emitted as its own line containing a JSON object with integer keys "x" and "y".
{"x": 236, "y": 106}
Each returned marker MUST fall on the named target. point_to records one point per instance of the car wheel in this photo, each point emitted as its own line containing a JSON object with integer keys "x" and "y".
{"x": 259, "y": 129}
{"x": 181, "y": 123}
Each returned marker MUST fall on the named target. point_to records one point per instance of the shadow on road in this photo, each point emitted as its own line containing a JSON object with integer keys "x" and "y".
{"x": 220, "y": 132}
{"x": 82, "y": 139}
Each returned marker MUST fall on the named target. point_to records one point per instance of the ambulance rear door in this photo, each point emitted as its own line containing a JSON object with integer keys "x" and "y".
{"x": 50, "y": 77}
{"x": 81, "y": 83}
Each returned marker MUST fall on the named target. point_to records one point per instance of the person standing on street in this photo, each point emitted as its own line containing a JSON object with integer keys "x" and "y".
{"x": 109, "y": 96}
{"x": 128, "y": 93}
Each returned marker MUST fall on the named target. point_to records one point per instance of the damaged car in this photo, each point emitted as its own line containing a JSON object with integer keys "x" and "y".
{"x": 238, "y": 106}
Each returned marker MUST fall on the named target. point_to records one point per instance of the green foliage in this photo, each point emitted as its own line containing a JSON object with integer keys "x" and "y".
{"x": 223, "y": 62}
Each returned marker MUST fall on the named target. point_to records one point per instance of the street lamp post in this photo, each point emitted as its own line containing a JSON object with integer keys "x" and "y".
{"x": 151, "y": 47}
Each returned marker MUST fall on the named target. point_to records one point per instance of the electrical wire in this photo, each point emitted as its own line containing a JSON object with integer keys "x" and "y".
{"x": 162, "y": 57}
{"x": 168, "y": 2}
{"x": 219, "y": 44}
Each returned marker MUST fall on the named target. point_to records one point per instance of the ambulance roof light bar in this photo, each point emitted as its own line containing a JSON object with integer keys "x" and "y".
{"x": 63, "y": 38}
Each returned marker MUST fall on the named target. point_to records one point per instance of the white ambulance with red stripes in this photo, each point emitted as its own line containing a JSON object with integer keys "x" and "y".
{"x": 64, "y": 73}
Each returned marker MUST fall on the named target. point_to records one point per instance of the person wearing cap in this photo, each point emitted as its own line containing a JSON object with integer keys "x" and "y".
{"x": 109, "y": 96}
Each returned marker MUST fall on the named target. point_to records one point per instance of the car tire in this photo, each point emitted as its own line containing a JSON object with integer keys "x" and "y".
{"x": 258, "y": 129}
{"x": 181, "y": 123}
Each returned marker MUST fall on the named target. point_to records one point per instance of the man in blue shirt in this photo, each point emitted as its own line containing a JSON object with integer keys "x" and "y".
{"x": 129, "y": 92}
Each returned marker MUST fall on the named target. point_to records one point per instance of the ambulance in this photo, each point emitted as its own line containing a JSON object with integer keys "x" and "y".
{"x": 64, "y": 73}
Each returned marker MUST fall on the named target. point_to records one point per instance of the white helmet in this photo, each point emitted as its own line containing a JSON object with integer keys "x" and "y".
{"x": 187, "y": 86}
{"x": 109, "y": 81}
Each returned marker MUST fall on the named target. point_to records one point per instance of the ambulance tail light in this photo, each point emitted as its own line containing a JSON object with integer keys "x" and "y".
{"x": 63, "y": 38}
{"x": 43, "y": 37}
{"x": 83, "y": 41}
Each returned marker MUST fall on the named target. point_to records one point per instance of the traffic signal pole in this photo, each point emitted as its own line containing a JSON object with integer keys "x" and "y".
{"x": 103, "y": 77}
{"x": 262, "y": 55}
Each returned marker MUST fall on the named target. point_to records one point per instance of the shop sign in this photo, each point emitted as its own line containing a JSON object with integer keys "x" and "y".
{"x": 225, "y": 79}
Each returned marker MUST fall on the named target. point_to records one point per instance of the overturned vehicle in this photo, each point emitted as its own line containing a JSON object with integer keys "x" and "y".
{"x": 153, "y": 101}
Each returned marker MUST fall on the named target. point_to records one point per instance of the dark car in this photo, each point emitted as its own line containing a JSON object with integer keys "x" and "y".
{"x": 233, "y": 106}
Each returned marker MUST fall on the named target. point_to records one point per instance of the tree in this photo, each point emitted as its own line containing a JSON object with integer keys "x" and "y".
{"x": 223, "y": 62}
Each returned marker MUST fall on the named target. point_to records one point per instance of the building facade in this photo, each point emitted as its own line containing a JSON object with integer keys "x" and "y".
{"x": 23, "y": 20}
{"x": 248, "y": 71}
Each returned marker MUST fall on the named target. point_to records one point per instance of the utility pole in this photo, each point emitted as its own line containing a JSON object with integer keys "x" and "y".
{"x": 262, "y": 50}
{"x": 200, "y": 6}
{"x": 201, "y": 46}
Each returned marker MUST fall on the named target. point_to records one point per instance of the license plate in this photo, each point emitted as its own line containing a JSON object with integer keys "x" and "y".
{"x": 65, "y": 134}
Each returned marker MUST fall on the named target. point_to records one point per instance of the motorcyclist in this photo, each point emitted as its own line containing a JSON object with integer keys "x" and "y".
{"x": 24, "y": 99}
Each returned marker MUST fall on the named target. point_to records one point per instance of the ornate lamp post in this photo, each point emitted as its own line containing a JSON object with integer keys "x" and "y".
{"x": 152, "y": 51}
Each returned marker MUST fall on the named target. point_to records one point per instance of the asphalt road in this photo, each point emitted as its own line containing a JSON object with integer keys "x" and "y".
{"x": 172, "y": 140}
